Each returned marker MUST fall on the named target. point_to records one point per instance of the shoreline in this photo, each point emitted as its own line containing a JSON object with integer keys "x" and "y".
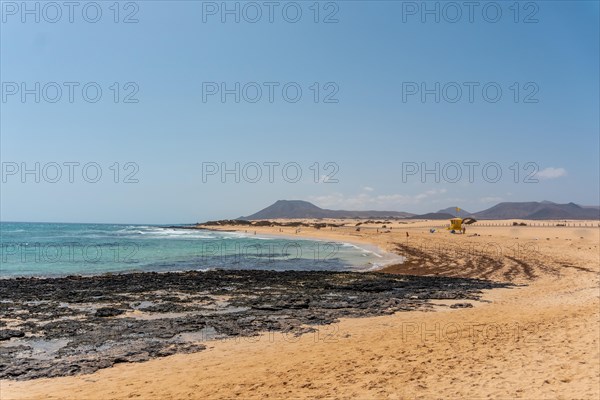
{"x": 387, "y": 257}
{"x": 547, "y": 319}
{"x": 394, "y": 258}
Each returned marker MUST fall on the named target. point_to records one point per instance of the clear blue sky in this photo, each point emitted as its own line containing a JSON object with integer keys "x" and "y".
{"x": 369, "y": 55}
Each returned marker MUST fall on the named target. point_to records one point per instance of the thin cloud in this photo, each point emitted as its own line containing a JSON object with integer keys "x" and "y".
{"x": 551, "y": 173}
{"x": 363, "y": 201}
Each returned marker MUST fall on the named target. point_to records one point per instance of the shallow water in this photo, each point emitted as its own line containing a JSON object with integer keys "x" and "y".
{"x": 51, "y": 249}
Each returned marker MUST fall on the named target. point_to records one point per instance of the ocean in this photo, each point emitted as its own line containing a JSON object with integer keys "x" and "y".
{"x": 55, "y": 249}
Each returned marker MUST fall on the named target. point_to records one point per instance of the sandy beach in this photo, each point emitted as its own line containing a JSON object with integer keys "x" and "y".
{"x": 298, "y": 200}
{"x": 537, "y": 339}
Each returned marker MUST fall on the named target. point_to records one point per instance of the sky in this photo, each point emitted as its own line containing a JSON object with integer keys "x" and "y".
{"x": 184, "y": 111}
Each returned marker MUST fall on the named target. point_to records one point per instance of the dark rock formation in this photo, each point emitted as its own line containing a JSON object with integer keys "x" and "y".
{"x": 76, "y": 325}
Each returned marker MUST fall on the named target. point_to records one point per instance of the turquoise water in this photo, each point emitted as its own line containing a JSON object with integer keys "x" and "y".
{"x": 51, "y": 249}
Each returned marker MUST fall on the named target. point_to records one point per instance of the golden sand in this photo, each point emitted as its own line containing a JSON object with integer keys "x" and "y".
{"x": 537, "y": 340}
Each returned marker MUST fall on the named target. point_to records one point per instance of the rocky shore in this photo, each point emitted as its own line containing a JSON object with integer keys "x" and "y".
{"x": 74, "y": 325}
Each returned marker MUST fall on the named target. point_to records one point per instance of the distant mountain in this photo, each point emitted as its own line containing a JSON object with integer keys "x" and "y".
{"x": 304, "y": 209}
{"x": 592, "y": 207}
{"x": 437, "y": 215}
{"x": 507, "y": 210}
{"x": 452, "y": 211}
{"x": 538, "y": 210}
